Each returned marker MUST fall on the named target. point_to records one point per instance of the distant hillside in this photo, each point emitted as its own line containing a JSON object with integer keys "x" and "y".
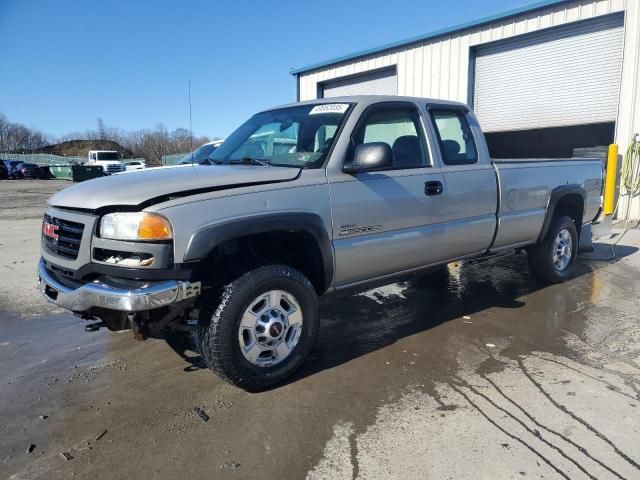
{"x": 80, "y": 148}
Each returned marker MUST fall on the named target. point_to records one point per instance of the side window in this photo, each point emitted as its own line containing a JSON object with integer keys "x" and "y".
{"x": 399, "y": 127}
{"x": 455, "y": 137}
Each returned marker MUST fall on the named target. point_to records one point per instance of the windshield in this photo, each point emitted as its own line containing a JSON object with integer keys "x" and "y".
{"x": 289, "y": 137}
{"x": 199, "y": 155}
{"x": 108, "y": 156}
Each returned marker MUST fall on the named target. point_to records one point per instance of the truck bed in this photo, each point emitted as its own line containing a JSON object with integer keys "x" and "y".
{"x": 525, "y": 187}
{"x": 544, "y": 160}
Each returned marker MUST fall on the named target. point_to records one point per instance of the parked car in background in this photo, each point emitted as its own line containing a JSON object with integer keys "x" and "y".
{"x": 4, "y": 171}
{"x": 128, "y": 166}
{"x": 12, "y": 172}
{"x": 109, "y": 160}
{"x": 30, "y": 170}
{"x": 200, "y": 155}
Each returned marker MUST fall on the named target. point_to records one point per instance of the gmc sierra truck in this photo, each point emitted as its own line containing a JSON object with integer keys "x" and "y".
{"x": 299, "y": 201}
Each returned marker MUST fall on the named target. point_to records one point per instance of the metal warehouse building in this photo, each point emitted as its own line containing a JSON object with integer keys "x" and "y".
{"x": 554, "y": 78}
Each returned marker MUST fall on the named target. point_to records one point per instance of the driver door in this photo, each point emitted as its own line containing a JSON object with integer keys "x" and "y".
{"x": 388, "y": 221}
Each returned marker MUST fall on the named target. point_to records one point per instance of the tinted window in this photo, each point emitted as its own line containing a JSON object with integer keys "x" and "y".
{"x": 108, "y": 156}
{"x": 399, "y": 127}
{"x": 455, "y": 137}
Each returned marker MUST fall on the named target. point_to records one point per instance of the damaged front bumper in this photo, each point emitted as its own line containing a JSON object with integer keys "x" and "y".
{"x": 101, "y": 294}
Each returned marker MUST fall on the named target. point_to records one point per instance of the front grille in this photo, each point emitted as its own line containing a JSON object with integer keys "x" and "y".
{"x": 69, "y": 237}
{"x": 113, "y": 168}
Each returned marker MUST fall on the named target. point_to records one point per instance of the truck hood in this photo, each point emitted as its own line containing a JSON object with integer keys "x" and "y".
{"x": 154, "y": 185}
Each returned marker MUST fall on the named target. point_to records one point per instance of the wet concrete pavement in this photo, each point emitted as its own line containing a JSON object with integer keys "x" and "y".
{"x": 478, "y": 374}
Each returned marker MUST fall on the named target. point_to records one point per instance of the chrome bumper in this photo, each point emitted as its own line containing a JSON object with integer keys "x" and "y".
{"x": 99, "y": 294}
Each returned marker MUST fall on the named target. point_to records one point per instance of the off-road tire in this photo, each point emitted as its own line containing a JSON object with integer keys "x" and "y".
{"x": 540, "y": 255}
{"x": 219, "y": 322}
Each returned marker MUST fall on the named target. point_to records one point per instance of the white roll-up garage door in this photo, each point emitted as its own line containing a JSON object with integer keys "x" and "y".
{"x": 382, "y": 82}
{"x": 563, "y": 76}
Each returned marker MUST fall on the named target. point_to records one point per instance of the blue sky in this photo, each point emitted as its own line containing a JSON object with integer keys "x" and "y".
{"x": 64, "y": 63}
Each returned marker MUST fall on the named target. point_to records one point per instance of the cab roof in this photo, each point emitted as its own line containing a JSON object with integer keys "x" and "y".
{"x": 367, "y": 100}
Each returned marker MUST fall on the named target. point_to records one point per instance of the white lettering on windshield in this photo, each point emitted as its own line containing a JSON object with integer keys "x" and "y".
{"x": 329, "y": 108}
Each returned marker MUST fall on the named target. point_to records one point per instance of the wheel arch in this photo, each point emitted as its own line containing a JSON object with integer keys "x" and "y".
{"x": 568, "y": 200}
{"x": 205, "y": 240}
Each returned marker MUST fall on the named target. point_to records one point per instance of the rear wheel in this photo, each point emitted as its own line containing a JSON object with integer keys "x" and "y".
{"x": 552, "y": 259}
{"x": 261, "y": 328}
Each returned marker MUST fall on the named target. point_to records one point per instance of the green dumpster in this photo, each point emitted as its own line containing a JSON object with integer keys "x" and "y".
{"x": 80, "y": 173}
{"x": 61, "y": 171}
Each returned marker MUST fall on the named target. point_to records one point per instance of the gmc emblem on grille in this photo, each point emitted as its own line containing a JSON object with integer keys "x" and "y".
{"x": 50, "y": 230}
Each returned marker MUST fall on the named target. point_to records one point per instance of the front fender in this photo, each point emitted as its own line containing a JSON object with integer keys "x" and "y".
{"x": 205, "y": 239}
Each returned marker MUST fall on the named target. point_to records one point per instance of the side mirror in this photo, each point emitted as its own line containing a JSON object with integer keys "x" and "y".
{"x": 369, "y": 157}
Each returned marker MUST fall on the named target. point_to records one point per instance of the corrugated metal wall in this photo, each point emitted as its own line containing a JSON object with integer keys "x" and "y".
{"x": 439, "y": 68}
{"x": 378, "y": 82}
{"x": 628, "y": 122}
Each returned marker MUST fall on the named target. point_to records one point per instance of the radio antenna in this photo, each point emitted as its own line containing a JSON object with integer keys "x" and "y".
{"x": 190, "y": 125}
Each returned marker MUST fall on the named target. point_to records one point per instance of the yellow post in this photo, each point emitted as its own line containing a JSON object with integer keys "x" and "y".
{"x": 610, "y": 183}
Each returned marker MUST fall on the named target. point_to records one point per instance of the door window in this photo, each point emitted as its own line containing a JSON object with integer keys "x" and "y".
{"x": 455, "y": 137}
{"x": 399, "y": 127}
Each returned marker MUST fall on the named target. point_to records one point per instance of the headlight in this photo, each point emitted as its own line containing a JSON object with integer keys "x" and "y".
{"x": 135, "y": 226}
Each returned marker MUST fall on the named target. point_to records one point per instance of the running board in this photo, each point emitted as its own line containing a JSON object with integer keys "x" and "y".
{"x": 487, "y": 257}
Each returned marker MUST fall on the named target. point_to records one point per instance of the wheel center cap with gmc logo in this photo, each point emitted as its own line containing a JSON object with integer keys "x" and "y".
{"x": 276, "y": 329}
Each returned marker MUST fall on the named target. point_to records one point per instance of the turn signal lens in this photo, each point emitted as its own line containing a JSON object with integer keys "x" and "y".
{"x": 153, "y": 227}
{"x": 135, "y": 226}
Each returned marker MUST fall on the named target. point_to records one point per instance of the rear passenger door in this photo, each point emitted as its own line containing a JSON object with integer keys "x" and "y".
{"x": 383, "y": 221}
{"x": 470, "y": 180}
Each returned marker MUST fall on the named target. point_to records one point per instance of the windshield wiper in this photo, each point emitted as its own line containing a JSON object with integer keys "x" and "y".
{"x": 250, "y": 161}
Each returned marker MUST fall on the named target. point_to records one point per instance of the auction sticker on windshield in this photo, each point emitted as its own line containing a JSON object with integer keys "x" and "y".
{"x": 329, "y": 108}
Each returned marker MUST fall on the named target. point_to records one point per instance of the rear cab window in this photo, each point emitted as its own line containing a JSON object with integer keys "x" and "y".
{"x": 455, "y": 138}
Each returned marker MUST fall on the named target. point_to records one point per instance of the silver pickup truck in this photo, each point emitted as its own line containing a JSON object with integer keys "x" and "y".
{"x": 299, "y": 201}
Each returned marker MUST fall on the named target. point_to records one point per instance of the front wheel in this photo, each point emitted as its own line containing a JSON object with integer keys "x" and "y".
{"x": 552, "y": 258}
{"x": 261, "y": 328}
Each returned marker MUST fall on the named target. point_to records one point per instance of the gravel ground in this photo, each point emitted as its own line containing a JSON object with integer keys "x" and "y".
{"x": 482, "y": 375}
{"x": 23, "y": 204}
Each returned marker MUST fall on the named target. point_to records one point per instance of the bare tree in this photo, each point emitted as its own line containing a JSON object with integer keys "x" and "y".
{"x": 102, "y": 130}
{"x": 15, "y": 137}
{"x": 150, "y": 144}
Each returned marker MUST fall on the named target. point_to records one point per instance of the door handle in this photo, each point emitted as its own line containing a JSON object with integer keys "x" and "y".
{"x": 433, "y": 188}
